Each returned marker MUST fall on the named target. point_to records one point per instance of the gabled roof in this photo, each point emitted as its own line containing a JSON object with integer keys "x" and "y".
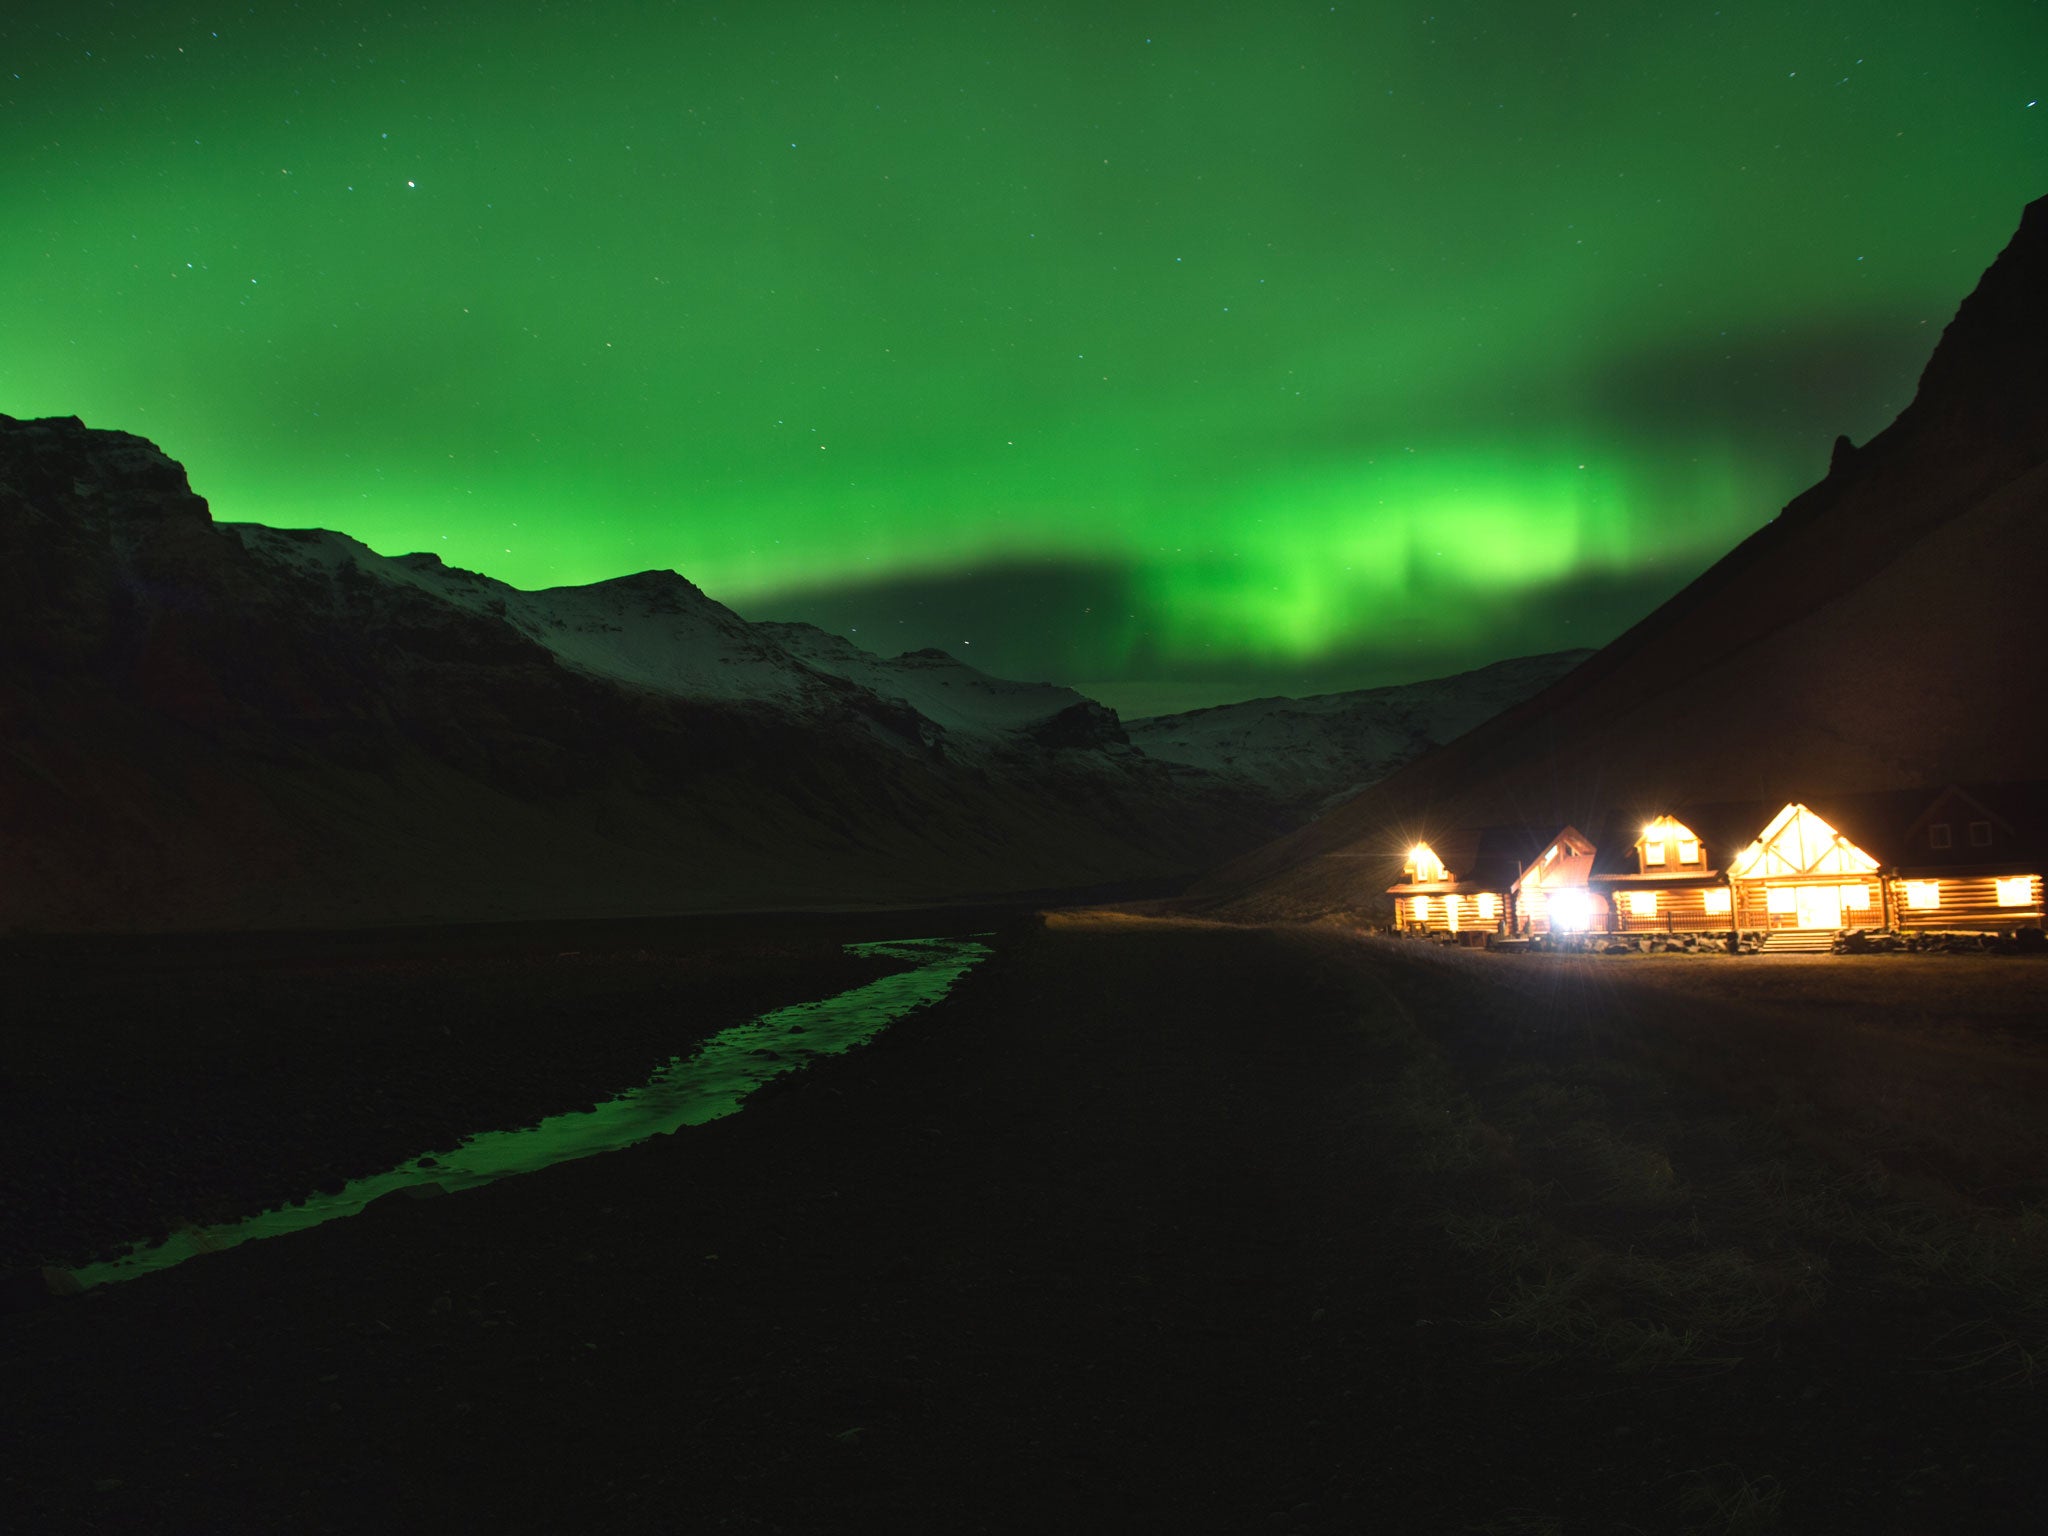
{"x": 1889, "y": 825}
{"x": 1566, "y": 859}
{"x": 1482, "y": 858}
{"x": 1724, "y": 829}
{"x": 2017, "y": 816}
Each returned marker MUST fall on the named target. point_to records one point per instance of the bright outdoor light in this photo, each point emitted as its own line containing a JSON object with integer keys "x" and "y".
{"x": 1570, "y": 911}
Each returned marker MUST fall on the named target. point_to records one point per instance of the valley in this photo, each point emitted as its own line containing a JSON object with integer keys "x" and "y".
{"x": 1163, "y": 1222}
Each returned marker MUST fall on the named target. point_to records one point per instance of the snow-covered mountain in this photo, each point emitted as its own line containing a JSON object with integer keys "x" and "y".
{"x": 212, "y": 725}
{"x": 230, "y": 724}
{"x": 658, "y": 632}
{"x": 1308, "y": 754}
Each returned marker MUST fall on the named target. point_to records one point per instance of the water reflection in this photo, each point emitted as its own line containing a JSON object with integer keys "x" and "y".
{"x": 707, "y": 1084}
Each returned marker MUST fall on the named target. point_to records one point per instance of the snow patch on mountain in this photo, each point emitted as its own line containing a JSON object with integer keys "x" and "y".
{"x": 1311, "y": 753}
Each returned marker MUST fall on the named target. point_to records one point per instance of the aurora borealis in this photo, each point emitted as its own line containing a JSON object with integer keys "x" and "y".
{"x": 1179, "y": 352}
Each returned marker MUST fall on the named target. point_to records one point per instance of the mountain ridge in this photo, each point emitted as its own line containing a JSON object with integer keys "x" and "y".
{"x": 1879, "y": 633}
{"x": 232, "y": 725}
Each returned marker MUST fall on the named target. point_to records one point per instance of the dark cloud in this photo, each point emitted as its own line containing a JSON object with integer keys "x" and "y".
{"x": 1047, "y": 621}
{"x": 1788, "y": 383}
{"x": 1083, "y": 625}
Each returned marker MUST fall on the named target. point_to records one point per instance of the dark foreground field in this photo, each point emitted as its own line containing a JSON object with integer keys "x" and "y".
{"x": 1150, "y": 1227}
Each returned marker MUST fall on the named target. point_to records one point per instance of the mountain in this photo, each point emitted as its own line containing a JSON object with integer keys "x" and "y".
{"x": 1882, "y": 632}
{"x": 225, "y": 724}
{"x": 231, "y": 725}
{"x": 1308, "y": 754}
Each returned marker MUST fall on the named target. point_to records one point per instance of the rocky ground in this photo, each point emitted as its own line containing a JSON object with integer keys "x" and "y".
{"x": 1151, "y": 1226}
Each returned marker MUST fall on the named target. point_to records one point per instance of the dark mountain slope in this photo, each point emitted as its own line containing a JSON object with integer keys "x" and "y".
{"x": 1882, "y": 632}
{"x": 213, "y": 724}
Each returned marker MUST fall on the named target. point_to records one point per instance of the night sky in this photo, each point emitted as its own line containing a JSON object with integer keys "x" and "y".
{"x": 1179, "y": 352}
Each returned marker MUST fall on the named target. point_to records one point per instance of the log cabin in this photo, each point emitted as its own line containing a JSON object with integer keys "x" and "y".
{"x": 1665, "y": 873}
{"x": 1457, "y": 882}
{"x": 1801, "y": 872}
{"x": 1963, "y": 858}
{"x": 1972, "y": 859}
{"x": 1552, "y": 894}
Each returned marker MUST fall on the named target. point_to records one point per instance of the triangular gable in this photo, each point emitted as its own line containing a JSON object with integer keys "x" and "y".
{"x": 1674, "y": 840}
{"x": 1797, "y": 842}
{"x": 1567, "y": 860}
{"x": 1424, "y": 867}
{"x": 1958, "y": 807}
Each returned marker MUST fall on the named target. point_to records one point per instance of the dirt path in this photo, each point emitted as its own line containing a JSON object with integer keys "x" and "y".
{"x": 1142, "y": 1230}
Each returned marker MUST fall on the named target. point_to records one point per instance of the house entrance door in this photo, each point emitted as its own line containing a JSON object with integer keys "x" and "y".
{"x": 1819, "y": 906}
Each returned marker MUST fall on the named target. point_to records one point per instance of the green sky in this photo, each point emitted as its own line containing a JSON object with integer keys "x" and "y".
{"x": 1176, "y": 351}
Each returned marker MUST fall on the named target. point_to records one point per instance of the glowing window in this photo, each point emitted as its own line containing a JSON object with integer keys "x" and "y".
{"x": 1489, "y": 906}
{"x": 1923, "y": 895}
{"x": 1422, "y": 909}
{"x": 1451, "y": 913}
{"x": 1779, "y": 898}
{"x": 1424, "y": 864}
{"x": 1653, "y": 851}
{"x": 2016, "y": 892}
{"x": 1717, "y": 901}
{"x": 1939, "y": 836}
{"x": 1551, "y": 854}
{"x": 1855, "y": 898}
{"x": 1642, "y": 903}
{"x": 1688, "y": 850}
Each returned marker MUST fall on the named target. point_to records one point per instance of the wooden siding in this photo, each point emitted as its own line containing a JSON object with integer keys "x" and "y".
{"x": 1752, "y": 902}
{"x": 1439, "y": 919}
{"x": 1967, "y": 902}
{"x": 1682, "y": 909}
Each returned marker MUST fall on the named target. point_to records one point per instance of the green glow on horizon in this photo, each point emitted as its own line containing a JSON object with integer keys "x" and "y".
{"x": 1296, "y": 321}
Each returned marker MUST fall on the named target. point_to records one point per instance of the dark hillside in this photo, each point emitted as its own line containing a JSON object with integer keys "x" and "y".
{"x": 1883, "y": 632}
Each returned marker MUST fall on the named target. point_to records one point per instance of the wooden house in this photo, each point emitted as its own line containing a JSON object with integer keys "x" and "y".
{"x": 1966, "y": 857}
{"x": 1802, "y": 872}
{"x": 1971, "y": 858}
{"x": 1665, "y": 875}
{"x": 1553, "y": 894}
{"x": 1457, "y": 882}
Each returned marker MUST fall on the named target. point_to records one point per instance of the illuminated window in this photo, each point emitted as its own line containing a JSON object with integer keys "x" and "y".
{"x": 1923, "y": 895}
{"x": 1424, "y": 865}
{"x": 1855, "y": 898}
{"x": 1797, "y": 842}
{"x": 1717, "y": 901}
{"x": 2016, "y": 892}
{"x": 1422, "y": 909}
{"x": 1939, "y": 836}
{"x": 1980, "y": 834}
{"x": 1489, "y": 906}
{"x": 1642, "y": 903}
{"x": 1779, "y": 898}
{"x": 1451, "y": 913}
{"x": 1688, "y": 850}
{"x": 1653, "y": 852}
{"x": 1551, "y": 854}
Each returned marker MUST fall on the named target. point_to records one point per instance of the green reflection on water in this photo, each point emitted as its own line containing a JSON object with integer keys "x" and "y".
{"x": 706, "y": 1085}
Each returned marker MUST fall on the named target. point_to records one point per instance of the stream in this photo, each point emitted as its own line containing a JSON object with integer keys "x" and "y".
{"x": 709, "y": 1083}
